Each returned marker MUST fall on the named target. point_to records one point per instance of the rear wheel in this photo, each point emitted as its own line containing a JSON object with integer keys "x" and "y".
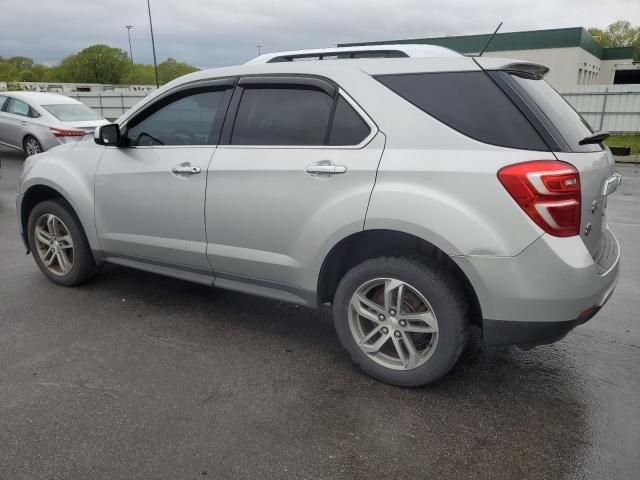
{"x": 58, "y": 243}
{"x": 31, "y": 146}
{"x": 402, "y": 321}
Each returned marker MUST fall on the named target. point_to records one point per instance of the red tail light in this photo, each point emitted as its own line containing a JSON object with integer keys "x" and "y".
{"x": 67, "y": 132}
{"x": 548, "y": 191}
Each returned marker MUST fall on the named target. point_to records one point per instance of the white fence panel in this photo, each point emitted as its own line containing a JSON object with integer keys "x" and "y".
{"x": 614, "y": 108}
{"x": 109, "y": 104}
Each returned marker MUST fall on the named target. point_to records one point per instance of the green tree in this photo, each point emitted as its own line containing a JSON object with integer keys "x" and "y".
{"x": 95, "y": 64}
{"x": 142, "y": 74}
{"x": 171, "y": 68}
{"x": 8, "y": 71}
{"x": 52, "y": 74}
{"x": 36, "y": 73}
{"x": 21, "y": 63}
{"x": 619, "y": 34}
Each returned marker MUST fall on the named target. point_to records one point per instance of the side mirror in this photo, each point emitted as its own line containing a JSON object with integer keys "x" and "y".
{"x": 108, "y": 135}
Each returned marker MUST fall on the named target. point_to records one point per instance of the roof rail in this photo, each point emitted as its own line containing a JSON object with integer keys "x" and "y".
{"x": 339, "y": 53}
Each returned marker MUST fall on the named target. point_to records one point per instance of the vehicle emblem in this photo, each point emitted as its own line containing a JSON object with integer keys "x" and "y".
{"x": 594, "y": 206}
{"x": 587, "y": 229}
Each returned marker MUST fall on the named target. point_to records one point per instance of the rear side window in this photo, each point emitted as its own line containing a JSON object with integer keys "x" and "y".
{"x": 348, "y": 128}
{"x": 569, "y": 123}
{"x": 469, "y": 102}
{"x": 282, "y": 116}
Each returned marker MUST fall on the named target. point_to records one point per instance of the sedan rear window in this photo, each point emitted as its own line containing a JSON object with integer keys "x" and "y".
{"x": 72, "y": 112}
{"x": 469, "y": 102}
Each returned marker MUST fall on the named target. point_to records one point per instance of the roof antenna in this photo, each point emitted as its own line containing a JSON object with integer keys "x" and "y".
{"x": 490, "y": 40}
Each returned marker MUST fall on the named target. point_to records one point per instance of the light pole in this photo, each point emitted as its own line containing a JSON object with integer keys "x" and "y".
{"x": 129, "y": 27}
{"x": 153, "y": 45}
{"x": 259, "y": 47}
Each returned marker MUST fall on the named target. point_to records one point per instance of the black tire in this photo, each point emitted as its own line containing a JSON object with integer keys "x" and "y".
{"x": 31, "y": 145}
{"x": 83, "y": 264}
{"x": 443, "y": 294}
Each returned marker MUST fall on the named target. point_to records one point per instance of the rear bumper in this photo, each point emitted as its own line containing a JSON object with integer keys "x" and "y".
{"x": 537, "y": 297}
{"x": 532, "y": 334}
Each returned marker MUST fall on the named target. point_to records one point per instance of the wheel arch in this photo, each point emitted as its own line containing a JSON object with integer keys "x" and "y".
{"x": 37, "y": 194}
{"x": 358, "y": 247}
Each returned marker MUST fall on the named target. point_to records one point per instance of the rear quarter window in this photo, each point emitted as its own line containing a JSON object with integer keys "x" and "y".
{"x": 348, "y": 128}
{"x": 564, "y": 118}
{"x": 469, "y": 102}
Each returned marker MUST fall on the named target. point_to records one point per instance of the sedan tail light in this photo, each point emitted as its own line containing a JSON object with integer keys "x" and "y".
{"x": 548, "y": 191}
{"x": 67, "y": 132}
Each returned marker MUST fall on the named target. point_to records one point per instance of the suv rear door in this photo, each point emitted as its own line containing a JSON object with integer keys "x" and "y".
{"x": 294, "y": 172}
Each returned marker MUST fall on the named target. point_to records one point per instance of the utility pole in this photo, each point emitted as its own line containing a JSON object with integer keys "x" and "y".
{"x": 259, "y": 47}
{"x": 153, "y": 45}
{"x": 129, "y": 27}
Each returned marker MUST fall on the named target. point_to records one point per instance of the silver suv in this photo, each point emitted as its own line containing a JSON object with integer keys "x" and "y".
{"x": 417, "y": 195}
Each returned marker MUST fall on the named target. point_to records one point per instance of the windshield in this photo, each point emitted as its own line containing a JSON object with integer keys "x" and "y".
{"x": 72, "y": 112}
{"x": 569, "y": 123}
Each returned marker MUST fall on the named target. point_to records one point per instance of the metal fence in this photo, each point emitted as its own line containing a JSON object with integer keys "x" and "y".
{"x": 614, "y": 108}
{"x": 109, "y": 104}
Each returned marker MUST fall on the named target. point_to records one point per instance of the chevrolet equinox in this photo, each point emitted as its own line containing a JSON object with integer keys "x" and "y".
{"x": 414, "y": 191}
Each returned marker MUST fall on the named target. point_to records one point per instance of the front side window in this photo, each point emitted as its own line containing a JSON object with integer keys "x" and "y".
{"x": 282, "y": 116}
{"x": 3, "y": 100}
{"x": 185, "y": 120}
{"x": 18, "y": 107}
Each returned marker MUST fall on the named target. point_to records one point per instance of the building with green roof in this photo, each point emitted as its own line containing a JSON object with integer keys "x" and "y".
{"x": 572, "y": 54}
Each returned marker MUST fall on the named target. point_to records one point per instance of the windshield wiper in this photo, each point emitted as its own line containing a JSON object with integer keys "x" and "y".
{"x": 597, "y": 137}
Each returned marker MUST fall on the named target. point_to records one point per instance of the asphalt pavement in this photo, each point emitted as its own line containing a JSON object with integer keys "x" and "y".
{"x": 134, "y": 375}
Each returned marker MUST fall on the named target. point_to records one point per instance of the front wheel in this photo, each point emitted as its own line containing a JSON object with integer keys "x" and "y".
{"x": 403, "y": 321}
{"x": 58, "y": 243}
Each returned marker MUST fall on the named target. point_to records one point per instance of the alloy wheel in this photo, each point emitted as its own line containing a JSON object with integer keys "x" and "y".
{"x": 393, "y": 323}
{"x": 54, "y": 244}
{"x": 33, "y": 146}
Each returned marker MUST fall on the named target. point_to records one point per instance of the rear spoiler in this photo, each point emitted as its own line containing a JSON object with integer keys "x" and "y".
{"x": 516, "y": 66}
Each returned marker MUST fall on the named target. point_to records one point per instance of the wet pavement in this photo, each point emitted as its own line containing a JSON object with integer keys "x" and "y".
{"x": 138, "y": 376}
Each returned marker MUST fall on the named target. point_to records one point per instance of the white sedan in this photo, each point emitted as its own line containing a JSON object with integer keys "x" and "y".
{"x": 35, "y": 121}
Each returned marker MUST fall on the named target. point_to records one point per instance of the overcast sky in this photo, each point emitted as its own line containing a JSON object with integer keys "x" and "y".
{"x": 209, "y": 33}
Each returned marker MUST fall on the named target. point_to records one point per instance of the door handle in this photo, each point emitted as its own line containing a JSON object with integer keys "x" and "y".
{"x": 185, "y": 170}
{"x": 327, "y": 168}
{"x": 24, "y": 124}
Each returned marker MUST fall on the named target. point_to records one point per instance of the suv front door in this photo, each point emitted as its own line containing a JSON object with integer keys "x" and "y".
{"x": 149, "y": 193}
{"x": 294, "y": 171}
